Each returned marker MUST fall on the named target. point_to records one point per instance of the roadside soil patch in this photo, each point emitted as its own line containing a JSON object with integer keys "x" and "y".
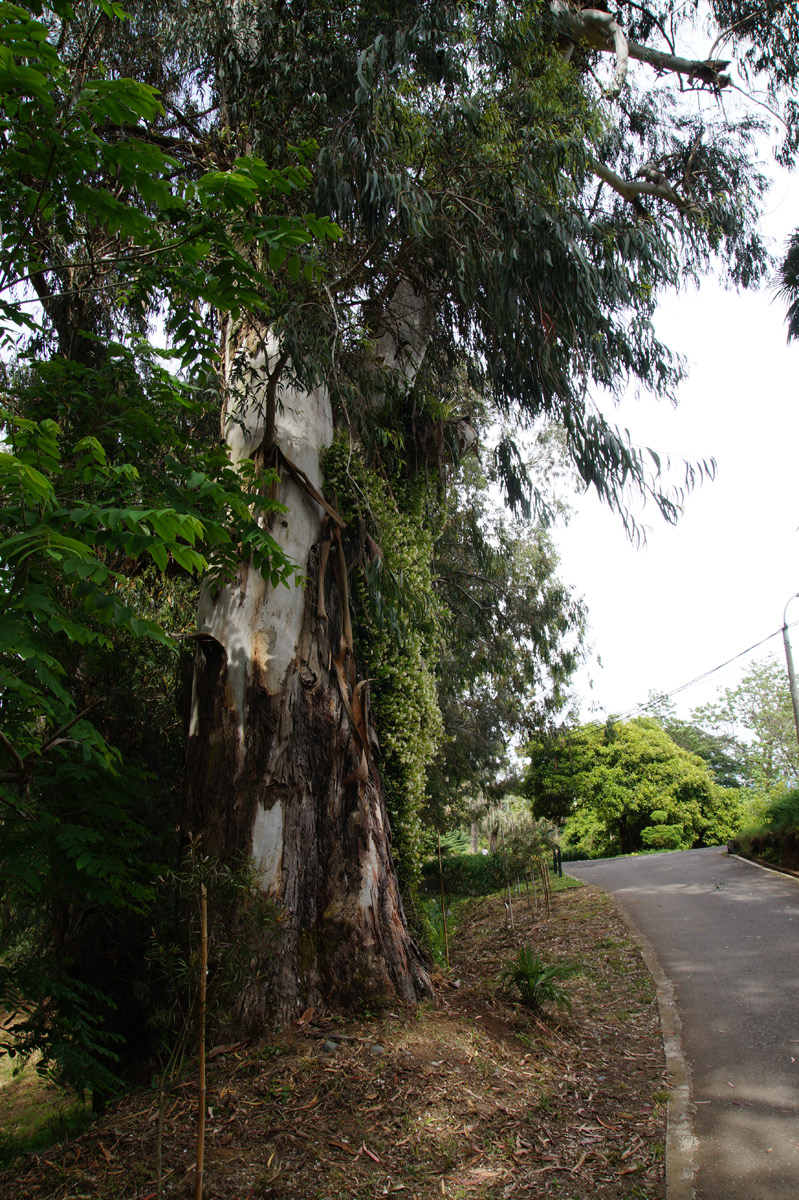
{"x": 470, "y": 1097}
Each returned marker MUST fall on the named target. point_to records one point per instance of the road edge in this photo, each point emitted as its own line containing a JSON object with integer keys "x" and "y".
{"x": 750, "y": 862}
{"x": 680, "y": 1140}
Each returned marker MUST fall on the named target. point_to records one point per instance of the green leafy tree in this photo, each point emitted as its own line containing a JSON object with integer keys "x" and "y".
{"x": 514, "y": 636}
{"x": 724, "y": 753}
{"x": 625, "y": 786}
{"x": 758, "y": 711}
{"x": 115, "y": 501}
{"x": 508, "y": 232}
{"x": 509, "y": 223}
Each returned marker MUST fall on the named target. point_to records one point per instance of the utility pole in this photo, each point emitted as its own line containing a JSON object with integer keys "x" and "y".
{"x": 791, "y": 671}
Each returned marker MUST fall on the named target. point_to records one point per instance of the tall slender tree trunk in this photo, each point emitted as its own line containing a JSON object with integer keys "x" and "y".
{"x": 281, "y": 750}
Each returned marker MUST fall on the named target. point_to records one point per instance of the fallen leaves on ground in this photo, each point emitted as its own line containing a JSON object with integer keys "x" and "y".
{"x": 472, "y": 1096}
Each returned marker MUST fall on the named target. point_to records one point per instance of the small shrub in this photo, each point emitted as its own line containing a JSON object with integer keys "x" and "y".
{"x": 662, "y": 837}
{"x": 783, "y": 814}
{"x": 539, "y": 983}
{"x": 433, "y": 928}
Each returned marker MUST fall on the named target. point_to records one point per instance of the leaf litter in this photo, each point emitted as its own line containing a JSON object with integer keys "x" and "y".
{"x": 472, "y": 1096}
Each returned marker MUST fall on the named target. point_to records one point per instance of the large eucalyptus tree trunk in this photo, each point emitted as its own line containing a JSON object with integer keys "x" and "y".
{"x": 281, "y": 750}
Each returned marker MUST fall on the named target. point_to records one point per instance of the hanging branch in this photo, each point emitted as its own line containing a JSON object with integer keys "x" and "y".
{"x": 24, "y": 766}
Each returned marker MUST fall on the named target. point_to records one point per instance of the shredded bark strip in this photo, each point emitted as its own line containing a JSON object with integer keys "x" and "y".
{"x": 470, "y": 1096}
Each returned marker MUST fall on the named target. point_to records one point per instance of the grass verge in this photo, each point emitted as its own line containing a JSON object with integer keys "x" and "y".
{"x": 33, "y": 1113}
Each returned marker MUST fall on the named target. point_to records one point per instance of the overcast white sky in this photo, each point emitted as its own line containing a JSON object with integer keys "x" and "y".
{"x": 702, "y": 591}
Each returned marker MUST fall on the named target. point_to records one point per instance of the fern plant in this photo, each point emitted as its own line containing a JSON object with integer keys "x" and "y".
{"x": 537, "y": 982}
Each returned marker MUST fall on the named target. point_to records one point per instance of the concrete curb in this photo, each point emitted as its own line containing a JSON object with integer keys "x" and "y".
{"x": 750, "y": 862}
{"x": 680, "y": 1140}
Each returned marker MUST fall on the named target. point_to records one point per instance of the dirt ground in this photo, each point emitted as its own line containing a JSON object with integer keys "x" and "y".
{"x": 468, "y": 1097}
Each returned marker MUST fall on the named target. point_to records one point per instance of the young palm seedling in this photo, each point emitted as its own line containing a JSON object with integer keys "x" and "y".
{"x": 537, "y": 982}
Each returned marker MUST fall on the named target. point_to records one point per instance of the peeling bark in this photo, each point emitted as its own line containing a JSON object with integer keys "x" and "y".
{"x": 279, "y": 761}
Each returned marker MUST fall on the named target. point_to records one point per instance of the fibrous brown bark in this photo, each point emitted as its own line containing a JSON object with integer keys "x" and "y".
{"x": 323, "y": 844}
{"x": 281, "y": 751}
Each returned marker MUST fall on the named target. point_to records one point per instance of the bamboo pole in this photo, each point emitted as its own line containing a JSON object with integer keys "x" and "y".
{"x": 507, "y": 882}
{"x": 547, "y": 885}
{"x": 443, "y": 902}
{"x": 198, "y": 1181}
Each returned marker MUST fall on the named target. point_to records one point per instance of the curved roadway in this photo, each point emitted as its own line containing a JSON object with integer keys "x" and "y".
{"x": 725, "y": 933}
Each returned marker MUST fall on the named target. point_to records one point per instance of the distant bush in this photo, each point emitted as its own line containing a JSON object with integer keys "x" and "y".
{"x": 480, "y": 874}
{"x": 465, "y": 874}
{"x": 777, "y": 839}
{"x": 457, "y": 841}
{"x": 782, "y": 814}
{"x": 576, "y": 854}
{"x": 662, "y": 837}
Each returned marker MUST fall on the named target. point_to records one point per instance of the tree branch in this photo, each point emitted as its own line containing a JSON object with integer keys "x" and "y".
{"x": 710, "y": 71}
{"x": 59, "y": 738}
{"x": 20, "y": 764}
{"x": 631, "y": 189}
{"x": 599, "y": 31}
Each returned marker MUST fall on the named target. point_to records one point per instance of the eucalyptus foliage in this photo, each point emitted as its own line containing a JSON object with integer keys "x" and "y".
{"x": 188, "y": 163}
{"x": 514, "y": 639}
{"x": 457, "y": 150}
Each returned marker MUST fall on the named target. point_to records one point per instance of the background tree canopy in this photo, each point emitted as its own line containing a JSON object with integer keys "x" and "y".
{"x": 758, "y": 711}
{"x": 627, "y": 786}
{"x": 444, "y": 225}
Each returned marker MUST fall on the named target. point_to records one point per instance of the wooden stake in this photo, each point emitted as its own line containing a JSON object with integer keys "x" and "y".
{"x": 507, "y": 881}
{"x": 543, "y": 867}
{"x": 443, "y": 902}
{"x": 198, "y": 1182}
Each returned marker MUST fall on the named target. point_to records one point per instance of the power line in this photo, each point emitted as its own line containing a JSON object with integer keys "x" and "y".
{"x": 683, "y": 687}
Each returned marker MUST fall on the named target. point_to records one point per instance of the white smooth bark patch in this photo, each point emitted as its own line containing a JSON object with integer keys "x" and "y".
{"x": 304, "y": 429}
{"x": 370, "y": 876}
{"x": 194, "y": 715}
{"x": 267, "y": 847}
{"x": 259, "y": 626}
{"x": 408, "y": 324}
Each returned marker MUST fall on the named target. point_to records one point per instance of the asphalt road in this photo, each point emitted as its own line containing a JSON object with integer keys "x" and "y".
{"x": 725, "y": 934}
